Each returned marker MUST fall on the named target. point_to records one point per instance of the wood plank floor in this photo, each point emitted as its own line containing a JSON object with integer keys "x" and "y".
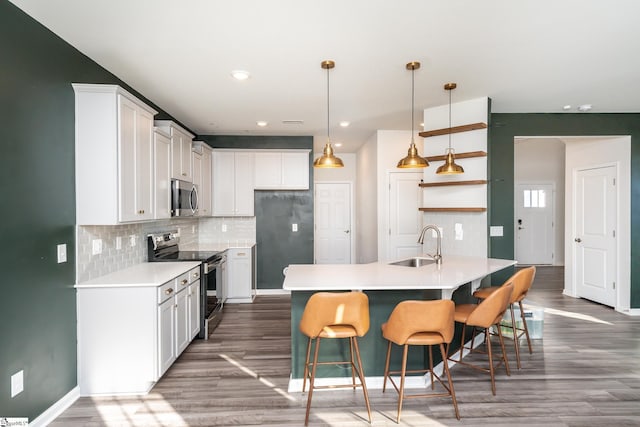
{"x": 584, "y": 372}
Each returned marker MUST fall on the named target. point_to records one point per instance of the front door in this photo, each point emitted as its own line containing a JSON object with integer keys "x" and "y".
{"x": 405, "y": 220}
{"x": 534, "y": 224}
{"x": 595, "y": 234}
{"x": 332, "y": 223}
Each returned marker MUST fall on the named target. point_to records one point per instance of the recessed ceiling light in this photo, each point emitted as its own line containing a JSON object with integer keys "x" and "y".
{"x": 584, "y": 107}
{"x": 240, "y": 74}
{"x": 262, "y": 123}
{"x": 567, "y": 107}
{"x": 344, "y": 124}
{"x": 338, "y": 144}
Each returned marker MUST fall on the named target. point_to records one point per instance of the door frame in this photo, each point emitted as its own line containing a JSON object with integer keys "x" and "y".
{"x": 554, "y": 260}
{"x": 583, "y": 153}
{"x": 352, "y": 218}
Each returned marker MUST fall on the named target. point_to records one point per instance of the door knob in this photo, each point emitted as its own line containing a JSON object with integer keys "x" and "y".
{"x": 577, "y": 239}
{"x": 347, "y": 231}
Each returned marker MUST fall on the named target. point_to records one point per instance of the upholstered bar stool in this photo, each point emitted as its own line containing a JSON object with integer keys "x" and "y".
{"x": 424, "y": 323}
{"x": 330, "y": 315}
{"x": 482, "y": 316}
{"x": 522, "y": 281}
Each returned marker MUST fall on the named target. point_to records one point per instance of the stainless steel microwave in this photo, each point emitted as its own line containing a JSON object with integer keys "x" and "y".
{"x": 184, "y": 198}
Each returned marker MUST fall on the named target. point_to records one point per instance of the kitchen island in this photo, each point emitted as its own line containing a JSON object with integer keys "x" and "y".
{"x": 386, "y": 285}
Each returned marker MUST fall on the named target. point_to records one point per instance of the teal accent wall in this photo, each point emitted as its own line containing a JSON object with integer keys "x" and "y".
{"x": 505, "y": 127}
{"x": 38, "y": 331}
{"x": 275, "y": 211}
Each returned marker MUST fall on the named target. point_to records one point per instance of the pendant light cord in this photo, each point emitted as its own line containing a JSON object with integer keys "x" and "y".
{"x": 328, "y": 137}
{"x": 450, "y": 119}
{"x": 413, "y": 95}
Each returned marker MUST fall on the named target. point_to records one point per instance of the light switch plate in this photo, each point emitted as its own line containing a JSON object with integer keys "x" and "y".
{"x": 17, "y": 383}
{"x": 496, "y": 231}
{"x": 96, "y": 247}
{"x": 62, "y": 253}
{"x": 118, "y": 243}
{"x": 294, "y": 228}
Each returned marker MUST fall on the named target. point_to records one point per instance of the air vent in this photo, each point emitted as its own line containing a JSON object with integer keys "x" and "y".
{"x": 293, "y": 122}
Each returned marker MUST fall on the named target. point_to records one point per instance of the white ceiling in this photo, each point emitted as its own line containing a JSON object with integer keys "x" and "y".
{"x": 526, "y": 55}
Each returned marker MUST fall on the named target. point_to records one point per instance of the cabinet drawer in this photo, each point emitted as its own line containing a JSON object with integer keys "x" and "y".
{"x": 167, "y": 291}
{"x": 240, "y": 253}
{"x": 194, "y": 274}
{"x": 182, "y": 281}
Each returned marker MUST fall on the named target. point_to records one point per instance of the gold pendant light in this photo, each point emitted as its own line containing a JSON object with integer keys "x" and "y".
{"x": 413, "y": 159}
{"x": 328, "y": 160}
{"x": 450, "y": 167}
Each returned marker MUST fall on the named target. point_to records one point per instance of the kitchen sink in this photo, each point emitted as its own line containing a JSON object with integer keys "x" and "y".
{"x": 414, "y": 262}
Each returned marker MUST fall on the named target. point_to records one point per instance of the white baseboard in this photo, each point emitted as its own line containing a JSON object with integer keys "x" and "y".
{"x": 631, "y": 312}
{"x": 375, "y": 383}
{"x": 272, "y": 292}
{"x": 56, "y": 409}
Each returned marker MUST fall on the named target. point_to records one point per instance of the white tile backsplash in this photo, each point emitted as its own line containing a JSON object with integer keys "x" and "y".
{"x": 193, "y": 231}
{"x": 474, "y": 236}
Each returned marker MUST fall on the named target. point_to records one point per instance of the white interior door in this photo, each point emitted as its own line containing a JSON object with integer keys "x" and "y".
{"x": 405, "y": 220}
{"x": 332, "y": 223}
{"x": 534, "y": 223}
{"x": 594, "y": 236}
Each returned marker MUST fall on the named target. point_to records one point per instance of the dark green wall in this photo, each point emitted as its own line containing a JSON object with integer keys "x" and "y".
{"x": 503, "y": 129}
{"x": 277, "y": 245}
{"x": 38, "y": 331}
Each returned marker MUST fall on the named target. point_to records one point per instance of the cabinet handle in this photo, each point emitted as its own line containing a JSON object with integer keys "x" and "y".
{"x": 242, "y": 254}
{"x": 168, "y": 291}
{"x": 184, "y": 282}
{"x": 196, "y": 275}
{"x": 184, "y": 174}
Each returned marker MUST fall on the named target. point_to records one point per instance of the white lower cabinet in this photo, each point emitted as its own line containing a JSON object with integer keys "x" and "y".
{"x": 241, "y": 275}
{"x": 129, "y": 335}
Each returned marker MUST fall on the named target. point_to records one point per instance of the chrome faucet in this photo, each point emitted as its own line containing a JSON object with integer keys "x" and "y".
{"x": 438, "y": 256}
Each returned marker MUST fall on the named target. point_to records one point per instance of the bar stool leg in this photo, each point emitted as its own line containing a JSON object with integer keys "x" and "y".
{"x": 403, "y": 372}
{"x": 306, "y": 365}
{"x": 504, "y": 353}
{"x": 526, "y": 328}
{"x": 516, "y": 340}
{"x": 353, "y": 374}
{"x": 361, "y": 376}
{"x": 433, "y": 386}
{"x": 490, "y": 353}
{"x": 386, "y": 367}
{"x": 444, "y": 351}
{"x": 312, "y": 380}
{"x": 462, "y": 343}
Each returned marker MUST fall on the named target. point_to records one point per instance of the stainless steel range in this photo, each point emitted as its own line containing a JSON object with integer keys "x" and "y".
{"x": 164, "y": 247}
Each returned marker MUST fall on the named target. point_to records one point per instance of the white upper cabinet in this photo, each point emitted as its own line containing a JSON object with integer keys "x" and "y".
{"x": 181, "y": 166}
{"x": 202, "y": 176}
{"x": 282, "y": 170}
{"x": 114, "y": 156}
{"x": 233, "y": 183}
{"x": 162, "y": 174}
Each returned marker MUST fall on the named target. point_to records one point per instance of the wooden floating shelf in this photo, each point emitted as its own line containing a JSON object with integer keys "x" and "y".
{"x": 443, "y": 183}
{"x": 467, "y": 155}
{"x": 452, "y": 209}
{"x": 455, "y": 129}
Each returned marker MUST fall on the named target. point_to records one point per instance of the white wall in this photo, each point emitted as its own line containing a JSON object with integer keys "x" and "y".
{"x": 345, "y": 174}
{"x": 473, "y": 240}
{"x": 367, "y": 202}
{"x": 593, "y": 152}
{"x": 392, "y": 145}
{"x": 542, "y": 161}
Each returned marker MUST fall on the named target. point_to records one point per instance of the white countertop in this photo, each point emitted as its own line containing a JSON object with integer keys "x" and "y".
{"x": 454, "y": 272}
{"x": 144, "y": 274}
{"x": 218, "y": 246}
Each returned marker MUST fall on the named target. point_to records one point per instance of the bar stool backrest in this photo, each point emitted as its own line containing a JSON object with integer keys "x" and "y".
{"x": 411, "y": 317}
{"x": 492, "y": 308}
{"x": 522, "y": 281}
{"x": 335, "y": 308}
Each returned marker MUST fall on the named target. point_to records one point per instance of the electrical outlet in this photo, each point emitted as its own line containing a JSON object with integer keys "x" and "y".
{"x": 132, "y": 240}
{"x": 224, "y": 228}
{"x": 118, "y": 242}
{"x": 62, "y": 252}
{"x": 17, "y": 383}
{"x": 96, "y": 247}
